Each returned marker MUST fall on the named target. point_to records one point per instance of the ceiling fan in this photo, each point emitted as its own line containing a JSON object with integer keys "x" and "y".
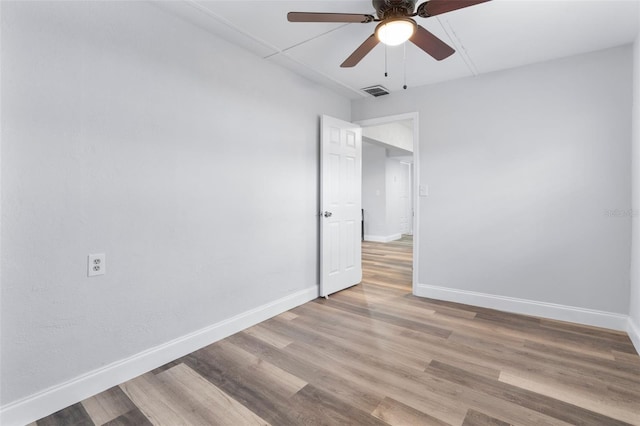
{"x": 396, "y": 25}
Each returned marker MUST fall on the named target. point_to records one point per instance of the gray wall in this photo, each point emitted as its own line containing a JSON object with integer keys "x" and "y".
{"x": 128, "y": 131}
{"x": 529, "y": 180}
{"x": 374, "y": 191}
{"x": 634, "y": 304}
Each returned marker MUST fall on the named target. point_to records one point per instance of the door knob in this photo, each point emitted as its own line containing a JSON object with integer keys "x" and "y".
{"x": 328, "y": 214}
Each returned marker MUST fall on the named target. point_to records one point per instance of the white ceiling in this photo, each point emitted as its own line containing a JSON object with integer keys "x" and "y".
{"x": 487, "y": 37}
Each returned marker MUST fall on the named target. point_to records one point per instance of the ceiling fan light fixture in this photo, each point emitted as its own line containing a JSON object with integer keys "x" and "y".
{"x": 395, "y": 31}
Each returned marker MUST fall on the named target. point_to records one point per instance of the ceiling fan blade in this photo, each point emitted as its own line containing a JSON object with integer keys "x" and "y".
{"x": 360, "y": 52}
{"x": 431, "y": 44}
{"x": 438, "y": 7}
{"x": 328, "y": 17}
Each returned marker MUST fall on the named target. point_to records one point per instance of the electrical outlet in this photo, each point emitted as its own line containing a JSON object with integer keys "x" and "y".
{"x": 96, "y": 264}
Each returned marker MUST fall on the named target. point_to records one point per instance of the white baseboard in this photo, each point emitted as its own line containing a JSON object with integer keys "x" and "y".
{"x": 382, "y": 239}
{"x": 633, "y": 330}
{"x": 573, "y": 314}
{"x": 60, "y": 396}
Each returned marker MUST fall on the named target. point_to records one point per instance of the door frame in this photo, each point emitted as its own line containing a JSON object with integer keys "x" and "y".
{"x": 416, "y": 179}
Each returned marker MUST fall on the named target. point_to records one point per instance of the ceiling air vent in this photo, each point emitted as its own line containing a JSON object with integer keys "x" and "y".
{"x": 376, "y": 90}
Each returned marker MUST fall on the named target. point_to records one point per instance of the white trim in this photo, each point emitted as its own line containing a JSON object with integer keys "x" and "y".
{"x": 382, "y": 239}
{"x": 633, "y": 330}
{"x": 416, "y": 201}
{"x": 49, "y": 401}
{"x": 387, "y": 119}
{"x": 573, "y": 314}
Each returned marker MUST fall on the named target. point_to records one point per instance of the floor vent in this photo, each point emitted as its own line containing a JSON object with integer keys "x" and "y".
{"x": 376, "y": 90}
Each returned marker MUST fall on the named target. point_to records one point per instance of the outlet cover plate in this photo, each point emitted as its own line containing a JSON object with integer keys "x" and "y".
{"x": 96, "y": 264}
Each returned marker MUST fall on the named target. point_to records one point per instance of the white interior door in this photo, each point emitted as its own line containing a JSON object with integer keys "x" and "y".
{"x": 341, "y": 180}
{"x": 406, "y": 208}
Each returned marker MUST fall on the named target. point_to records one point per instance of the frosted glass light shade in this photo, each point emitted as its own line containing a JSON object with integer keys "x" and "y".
{"x": 393, "y": 32}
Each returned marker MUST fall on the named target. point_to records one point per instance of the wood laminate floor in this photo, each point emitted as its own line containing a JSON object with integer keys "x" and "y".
{"x": 376, "y": 355}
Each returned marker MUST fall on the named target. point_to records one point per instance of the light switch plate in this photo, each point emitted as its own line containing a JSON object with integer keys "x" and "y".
{"x": 424, "y": 190}
{"x": 96, "y": 264}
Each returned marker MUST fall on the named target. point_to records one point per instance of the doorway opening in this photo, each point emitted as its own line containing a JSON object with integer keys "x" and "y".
{"x": 390, "y": 189}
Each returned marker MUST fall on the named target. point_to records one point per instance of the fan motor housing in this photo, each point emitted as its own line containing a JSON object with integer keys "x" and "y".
{"x": 393, "y": 8}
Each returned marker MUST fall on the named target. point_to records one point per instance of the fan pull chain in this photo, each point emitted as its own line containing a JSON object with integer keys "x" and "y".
{"x": 404, "y": 65}
{"x": 385, "y": 61}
